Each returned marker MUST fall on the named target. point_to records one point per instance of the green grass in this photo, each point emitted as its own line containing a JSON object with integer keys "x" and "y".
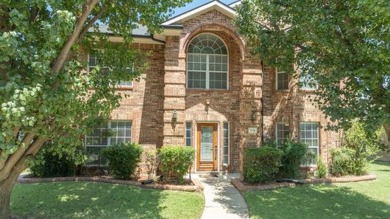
{"x": 101, "y": 200}
{"x": 370, "y": 199}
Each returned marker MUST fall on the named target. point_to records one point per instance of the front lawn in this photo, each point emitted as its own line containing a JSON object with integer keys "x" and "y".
{"x": 369, "y": 199}
{"x": 101, "y": 200}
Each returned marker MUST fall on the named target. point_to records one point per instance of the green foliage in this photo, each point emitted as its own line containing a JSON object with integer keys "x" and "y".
{"x": 49, "y": 162}
{"x": 342, "y": 161}
{"x": 352, "y": 158}
{"x": 123, "y": 159}
{"x": 332, "y": 41}
{"x": 45, "y": 91}
{"x": 293, "y": 153}
{"x": 175, "y": 161}
{"x": 322, "y": 170}
{"x": 261, "y": 164}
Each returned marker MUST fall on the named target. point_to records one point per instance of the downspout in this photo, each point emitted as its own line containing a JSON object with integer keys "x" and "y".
{"x": 262, "y": 102}
{"x": 157, "y": 40}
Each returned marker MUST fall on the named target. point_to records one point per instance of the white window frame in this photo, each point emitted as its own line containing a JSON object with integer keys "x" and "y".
{"x": 108, "y": 126}
{"x": 286, "y": 125}
{"x": 318, "y": 140}
{"x": 226, "y": 144}
{"x": 277, "y": 72}
{"x": 121, "y": 84}
{"x": 208, "y": 67}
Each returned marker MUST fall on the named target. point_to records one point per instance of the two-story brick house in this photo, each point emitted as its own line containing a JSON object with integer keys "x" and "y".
{"x": 205, "y": 90}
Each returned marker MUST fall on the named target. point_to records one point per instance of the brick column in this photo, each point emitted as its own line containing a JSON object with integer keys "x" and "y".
{"x": 174, "y": 93}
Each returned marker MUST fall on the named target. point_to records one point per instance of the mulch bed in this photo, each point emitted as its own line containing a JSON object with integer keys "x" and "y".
{"x": 243, "y": 187}
{"x": 195, "y": 186}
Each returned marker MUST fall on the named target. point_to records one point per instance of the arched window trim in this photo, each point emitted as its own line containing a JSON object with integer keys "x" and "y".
{"x": 207, "y": 70}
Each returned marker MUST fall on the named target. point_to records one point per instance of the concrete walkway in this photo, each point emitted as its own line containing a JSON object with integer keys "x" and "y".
{"x": 222, "y": 199}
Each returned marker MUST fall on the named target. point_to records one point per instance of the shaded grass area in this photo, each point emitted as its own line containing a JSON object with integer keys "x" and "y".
{"x": 101, "y": 200}
{"x": 369, "y": 199}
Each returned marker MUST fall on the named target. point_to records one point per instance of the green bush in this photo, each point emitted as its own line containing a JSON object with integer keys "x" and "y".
{"x": 123, "y": 159}
{"x": 293, "y": 153}
{"x": 352, "y": 157}
{"x": 47, "y": 164}
{"x": 342, "y": 161}
{"x": 261, "y": 164}
{"x": 175, "y": 161}
{"x": 322, "y": 170}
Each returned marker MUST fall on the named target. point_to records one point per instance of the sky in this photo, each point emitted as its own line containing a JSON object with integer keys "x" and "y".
{"x": 196, "y": 3}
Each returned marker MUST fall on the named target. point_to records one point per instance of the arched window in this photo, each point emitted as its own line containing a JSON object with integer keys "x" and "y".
{"x": 207, "y": 63}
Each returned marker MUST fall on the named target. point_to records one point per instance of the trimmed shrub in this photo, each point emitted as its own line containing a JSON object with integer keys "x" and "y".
{"x": 352, "y": 158}
{"x": 123, "y": 159}
{"x": 175, "y": 161}
{"x": 293, "y": 154}
{"x": 342, "y": 161}
{"x": 261, "y": 164}
{"x": 322, "y": 170}
{"x": 48, "y": 164}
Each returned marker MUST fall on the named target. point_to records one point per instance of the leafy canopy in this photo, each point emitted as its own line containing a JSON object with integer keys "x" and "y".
{"x": 44, "y": 87}
{"x": 343, "y": 44}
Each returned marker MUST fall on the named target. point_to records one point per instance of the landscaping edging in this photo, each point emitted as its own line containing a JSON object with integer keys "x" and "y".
{"x": 197, "y": 187}
{"x": 245, "y": 187}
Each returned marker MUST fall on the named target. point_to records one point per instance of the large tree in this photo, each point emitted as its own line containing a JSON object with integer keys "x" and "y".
{"x": 45, "y": 91}
{"x": 343, "y": 44}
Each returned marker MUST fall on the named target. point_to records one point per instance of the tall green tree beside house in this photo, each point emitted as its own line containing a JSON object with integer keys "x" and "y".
{"x": 344, "y": 45}
{"x": 45, "y": 91}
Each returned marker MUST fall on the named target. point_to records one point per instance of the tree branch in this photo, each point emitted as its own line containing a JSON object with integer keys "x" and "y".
{"x": 7, "y": 164}
{"x": 59, "y": 62}
{"x": 90, "y": 23}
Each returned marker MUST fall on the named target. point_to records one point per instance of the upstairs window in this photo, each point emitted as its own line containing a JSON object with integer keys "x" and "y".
{"x": 207, "y": 63}
{"x": 281, "y": 80}
{"x": 93, "y": 61}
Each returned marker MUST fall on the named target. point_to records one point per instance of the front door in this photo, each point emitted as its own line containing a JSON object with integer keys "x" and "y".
{"x": 207, "y": 134}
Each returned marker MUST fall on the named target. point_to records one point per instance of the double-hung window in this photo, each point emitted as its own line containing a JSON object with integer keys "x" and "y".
{"x": 207, "y": 63}
{"x": 281, "y": 80}
{"x": 309, "y": 134}
{"x": 94, "y": 60}
{"x": 281, "y": 132}
{"x": 105, "y": 135}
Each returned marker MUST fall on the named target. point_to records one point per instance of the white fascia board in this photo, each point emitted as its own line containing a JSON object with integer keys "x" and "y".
{"x": 146, "y": 40}
{"x": 192, "y": 13}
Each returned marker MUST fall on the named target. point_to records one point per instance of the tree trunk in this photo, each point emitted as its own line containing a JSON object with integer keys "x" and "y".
{"x": 5, "y": 191}
{"x": 387, "y": 130}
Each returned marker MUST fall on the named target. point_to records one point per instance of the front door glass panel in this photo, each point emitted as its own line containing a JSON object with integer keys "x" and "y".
{"x": 206, "y": 144}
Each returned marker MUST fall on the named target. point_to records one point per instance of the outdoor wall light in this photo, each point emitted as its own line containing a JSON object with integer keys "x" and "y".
{"x": 174, "y": 116}
{"x": 254, "y": 116}
{"x": 207, "y": 106}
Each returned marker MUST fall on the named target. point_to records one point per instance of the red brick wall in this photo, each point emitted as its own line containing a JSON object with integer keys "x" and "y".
{"x": 162, "y": 90}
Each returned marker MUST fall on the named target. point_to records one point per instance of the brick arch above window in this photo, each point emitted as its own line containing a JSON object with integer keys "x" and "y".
{"x": 207, "y": 63}
{"x": 229, "y": 36}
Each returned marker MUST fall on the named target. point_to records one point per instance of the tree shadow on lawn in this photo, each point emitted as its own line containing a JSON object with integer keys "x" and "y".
{"x": 314, "y": 201}
{"x": 87, "y": 200}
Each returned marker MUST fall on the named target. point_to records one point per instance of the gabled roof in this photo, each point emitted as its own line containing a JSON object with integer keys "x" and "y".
{"x": 214, "y": 5}
{"x": 234, "y": 4}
